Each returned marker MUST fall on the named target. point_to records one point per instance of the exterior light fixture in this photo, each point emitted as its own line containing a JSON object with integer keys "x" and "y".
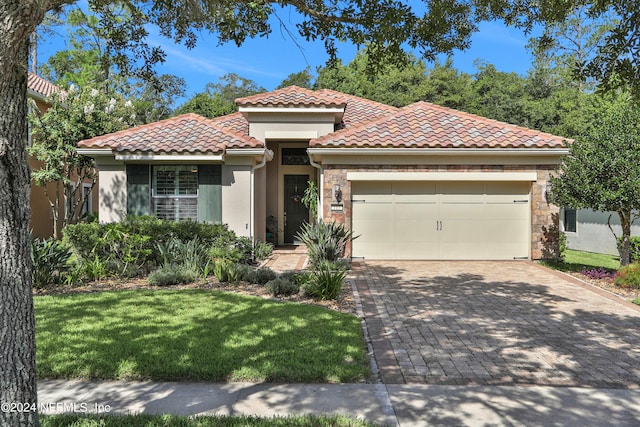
{"x": 337, "y": 193}
{"x": 547, "y": 191}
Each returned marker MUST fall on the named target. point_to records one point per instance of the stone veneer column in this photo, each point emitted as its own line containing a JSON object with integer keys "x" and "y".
{"x": 331, "y": 178}
{"x": 545, "y": 218}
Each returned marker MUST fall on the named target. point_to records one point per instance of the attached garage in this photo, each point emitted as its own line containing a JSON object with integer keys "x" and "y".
{"x": 440, "y": 219}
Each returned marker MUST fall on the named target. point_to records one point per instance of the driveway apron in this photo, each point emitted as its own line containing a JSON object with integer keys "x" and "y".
{"x": 494, "y": 323}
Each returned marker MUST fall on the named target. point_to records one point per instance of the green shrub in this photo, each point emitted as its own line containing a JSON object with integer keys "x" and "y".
{"x": 262, "y": 250}
{"x": 326, "y": 281}
{"x": 73, "y": 275}
{"x": 261, "y": 276}
{"x": 280, "y": 286}
{"x": 299, "y": 277}
{"x": 634, "y": 249}
{"x": 628, "y": 276}
{"x": 49, "y": 259}
{"x": 191, "y": 254}
{"x": 245, "y": 273}
{"x": 227, "y": 271}
{"x": 131, "y": 247}
{"x": 94, "y": 269}
{"x": 562, "y": 242}
{"x": 325, "y": 241}
{"x": 169, "y": 275}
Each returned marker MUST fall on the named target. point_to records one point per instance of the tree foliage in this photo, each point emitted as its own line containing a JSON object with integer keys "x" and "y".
{"x": 219, "y": 98}
{"x": 302, "y": 78}
{"x": 394, "y": 85}
{"x": 602, "y": 170}
{"x": 154, "y": 101}
{"x": 81, "y": 114}
{"x": 87, "y": 62}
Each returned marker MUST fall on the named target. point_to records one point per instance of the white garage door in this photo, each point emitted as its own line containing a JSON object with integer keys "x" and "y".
{"x": 440, "y": 220}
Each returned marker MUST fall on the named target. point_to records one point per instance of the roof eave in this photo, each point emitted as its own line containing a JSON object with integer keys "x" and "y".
{"x": 93, "y": 152}
{"x": 318, "y": 151}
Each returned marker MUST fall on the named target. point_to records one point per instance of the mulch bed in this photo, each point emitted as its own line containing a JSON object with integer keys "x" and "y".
{"x": 608, "y": 285}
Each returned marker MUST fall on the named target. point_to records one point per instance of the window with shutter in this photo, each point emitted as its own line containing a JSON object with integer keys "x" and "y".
{"x": 175, "y": 192}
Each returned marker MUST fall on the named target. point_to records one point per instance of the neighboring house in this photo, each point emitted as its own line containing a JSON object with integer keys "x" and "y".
{"x": 588, "y": 230}
{"x": 419, "y": 182}
{"x": 41, "y": 225}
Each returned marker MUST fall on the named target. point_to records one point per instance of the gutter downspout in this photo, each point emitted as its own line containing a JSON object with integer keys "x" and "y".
{"x": 320, "y": 187}
{"x": 266, "y": 156}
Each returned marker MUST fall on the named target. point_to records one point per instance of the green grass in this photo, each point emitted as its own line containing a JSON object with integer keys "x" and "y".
{"x": 144, "y": 420}
{"x": 575, "y": 261}
{"x": 196, "y": 335}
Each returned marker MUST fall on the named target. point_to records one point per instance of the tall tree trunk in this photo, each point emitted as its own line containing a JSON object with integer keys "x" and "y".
{"x": 17, "y": 323}
{"x": 18, "y": 19}
{"x": 623, "y": 246}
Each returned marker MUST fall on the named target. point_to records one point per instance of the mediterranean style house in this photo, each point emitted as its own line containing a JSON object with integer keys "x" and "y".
{"x": 419, "y": 182}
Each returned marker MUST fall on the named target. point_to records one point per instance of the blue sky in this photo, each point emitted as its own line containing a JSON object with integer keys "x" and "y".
{"x": 267, "y": 61}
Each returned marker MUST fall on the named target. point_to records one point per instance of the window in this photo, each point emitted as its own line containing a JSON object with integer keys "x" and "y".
{"x": 570, "y": 220}
{"x": 175, "y": 192}
{"x": 295, "y": 156}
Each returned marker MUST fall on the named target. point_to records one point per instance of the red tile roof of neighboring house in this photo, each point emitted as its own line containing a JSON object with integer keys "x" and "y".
{"x": 424, "y": 125}
{"x": 188, "y": 133}
{"x": 42, "y": 87}
{"x": 293, "y": 96}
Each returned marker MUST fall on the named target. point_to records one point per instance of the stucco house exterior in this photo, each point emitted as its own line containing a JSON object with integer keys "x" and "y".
{"x": 588, "y": 230}
{"x": 419, "y": 182}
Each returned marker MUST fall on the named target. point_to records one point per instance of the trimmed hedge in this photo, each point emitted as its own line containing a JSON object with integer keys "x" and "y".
{"x": 130, "y": 248}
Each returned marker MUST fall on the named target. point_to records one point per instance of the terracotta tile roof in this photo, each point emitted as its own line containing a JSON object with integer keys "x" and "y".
{"x": 235, "y": 122}
{"x": 424, "y": 125}
{"x": 293, "y": 96}
{"x": 360, "y": 110}
{"x": 42, "y": 87}
{"x": 188, "y": 133}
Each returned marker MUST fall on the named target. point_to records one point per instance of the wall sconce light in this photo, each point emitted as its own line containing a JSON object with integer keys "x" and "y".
{"x": 547, "y": 191}
{"x": 337, "y": 193}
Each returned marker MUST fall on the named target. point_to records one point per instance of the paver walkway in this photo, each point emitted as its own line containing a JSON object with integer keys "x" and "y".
{"x": 286, "y": 258}
{"x": 495, "y": 323}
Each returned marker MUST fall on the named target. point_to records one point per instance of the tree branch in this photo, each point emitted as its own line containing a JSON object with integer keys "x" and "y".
{"x": 327, "y": 18}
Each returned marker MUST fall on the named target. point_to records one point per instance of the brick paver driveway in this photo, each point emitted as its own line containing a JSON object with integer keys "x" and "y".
{"x": 495, "y": 323}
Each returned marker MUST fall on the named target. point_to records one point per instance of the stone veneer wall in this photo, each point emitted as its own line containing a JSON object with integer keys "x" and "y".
{"x": 544, "y": 216}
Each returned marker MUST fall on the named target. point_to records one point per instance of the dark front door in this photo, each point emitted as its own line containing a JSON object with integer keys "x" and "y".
{"x": 295, "y": 212}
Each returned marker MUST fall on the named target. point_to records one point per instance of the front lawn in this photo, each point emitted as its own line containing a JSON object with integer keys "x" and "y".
{"x": 145, "y": 420}
{"x": 576, "y": 261}
{"x": 198, "y": 335}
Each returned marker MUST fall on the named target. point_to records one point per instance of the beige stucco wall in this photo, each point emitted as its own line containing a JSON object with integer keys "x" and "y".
{"x": 112, "y": 206}
{"x": 271, "y": 177}
{"x": 41, "y": 224}
{"x": 260, "y": 216}
{"x": 236, "y": 197}
{"x": 544, "y": 216}
{"x": 292, "y": 126}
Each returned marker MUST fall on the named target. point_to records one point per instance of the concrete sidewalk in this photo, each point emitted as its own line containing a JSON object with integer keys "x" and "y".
{"x": 403, "y": 405}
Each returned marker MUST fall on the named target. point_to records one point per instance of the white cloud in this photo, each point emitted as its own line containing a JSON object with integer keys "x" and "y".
{"x": 208, "y": 61}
